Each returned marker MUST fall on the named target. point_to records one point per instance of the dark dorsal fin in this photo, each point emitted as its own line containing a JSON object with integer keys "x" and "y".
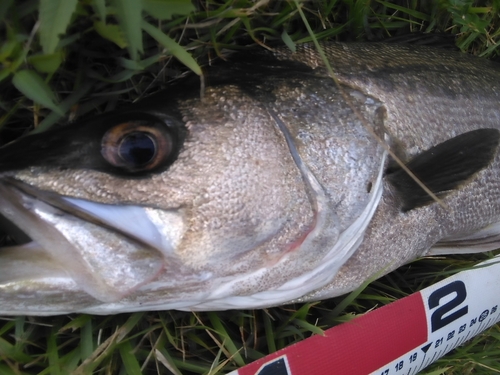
{"x": 444, "y": 167}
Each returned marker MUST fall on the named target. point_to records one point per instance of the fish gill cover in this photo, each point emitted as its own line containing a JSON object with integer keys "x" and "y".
{"x": 66, "y": 60}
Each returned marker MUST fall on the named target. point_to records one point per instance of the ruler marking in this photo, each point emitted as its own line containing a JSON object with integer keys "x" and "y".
{"x": 461, "y": 341}
{"x": 383, "y": 342}
{"x": 469, "y": 333}
{"x": 427, "y": 363}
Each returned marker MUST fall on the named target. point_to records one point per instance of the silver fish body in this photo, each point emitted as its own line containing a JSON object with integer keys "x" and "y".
{"x": 269, "y": 189}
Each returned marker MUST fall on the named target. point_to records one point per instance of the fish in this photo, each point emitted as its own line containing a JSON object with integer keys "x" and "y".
{"x": 276, "y": 185}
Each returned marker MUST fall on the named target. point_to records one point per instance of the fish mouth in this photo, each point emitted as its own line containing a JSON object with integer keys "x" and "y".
{"x": 107, "y": 251}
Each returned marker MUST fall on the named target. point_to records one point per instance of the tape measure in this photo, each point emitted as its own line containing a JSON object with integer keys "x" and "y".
{"x": 401, "y": 338}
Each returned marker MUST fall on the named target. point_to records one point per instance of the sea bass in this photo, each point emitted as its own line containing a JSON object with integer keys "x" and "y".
{"x": 271, "y": 187}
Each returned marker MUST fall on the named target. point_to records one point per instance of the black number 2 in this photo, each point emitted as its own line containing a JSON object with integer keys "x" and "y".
{"x": 437, "y": 319}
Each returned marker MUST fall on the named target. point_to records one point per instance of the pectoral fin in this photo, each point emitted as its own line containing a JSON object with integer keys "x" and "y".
{"x": 443, "y": 168}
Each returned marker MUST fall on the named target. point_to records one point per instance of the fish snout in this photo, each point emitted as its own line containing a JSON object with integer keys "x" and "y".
{"x": 104, "y": 251}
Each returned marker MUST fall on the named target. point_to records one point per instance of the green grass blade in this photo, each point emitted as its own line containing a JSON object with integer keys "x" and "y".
{"x": 55, "y": 16}
{"x": 129, "y": 14}
{"x": 129, "y": 360}
{"x": 166, "y": 360}
{"x": 86, "y": 340}
{"x": 4, "y": 370}
{"x": 18, "y": 323}
{"x": 228, "y": 342}
{"x": 269, "y": 333}
{"x": 173, "y": 47}
{"x": 65, "y": 106}
{"x": 113, "y": 33}
{"x": 47, "y": 63}
{"x": 100, "y": 8}
{"x": 9, "y": 350}
{"x": 309, "y": 327}
{"x": 165, "y": 9}
{"x": 438, "y": 372}
{"x": 4, "y": 7}
{"x": 53, "y": 354}
{"x": 288, "y": 41}
{"x": 412, "y": 12}
{"x": 35, "y": 88}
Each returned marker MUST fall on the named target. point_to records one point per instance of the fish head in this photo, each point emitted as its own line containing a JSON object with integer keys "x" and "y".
{"x": 193, "y": 203}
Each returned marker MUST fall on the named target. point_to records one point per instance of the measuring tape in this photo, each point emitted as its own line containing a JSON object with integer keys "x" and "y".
{"x": 401, "y": 338}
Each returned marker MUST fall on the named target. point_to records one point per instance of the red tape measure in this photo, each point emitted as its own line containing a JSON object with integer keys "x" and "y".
{"x": 403, "y": 337}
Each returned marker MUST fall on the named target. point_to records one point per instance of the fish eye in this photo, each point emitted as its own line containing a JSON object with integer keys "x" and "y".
{"x": 137, "y": 146}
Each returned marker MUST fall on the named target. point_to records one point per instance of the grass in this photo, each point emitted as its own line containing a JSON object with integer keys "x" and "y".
{"x": 97, "y": 55}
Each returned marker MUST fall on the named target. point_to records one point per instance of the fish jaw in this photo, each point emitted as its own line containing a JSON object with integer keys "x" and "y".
{"x": 102, "y": 263}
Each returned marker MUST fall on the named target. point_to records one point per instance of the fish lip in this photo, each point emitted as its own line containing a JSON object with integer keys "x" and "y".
{"x": 91, "y": 212}
{"x": 95, "y": 270}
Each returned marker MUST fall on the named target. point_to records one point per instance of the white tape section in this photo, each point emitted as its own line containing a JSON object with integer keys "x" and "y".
{"x": 401, "y": 338}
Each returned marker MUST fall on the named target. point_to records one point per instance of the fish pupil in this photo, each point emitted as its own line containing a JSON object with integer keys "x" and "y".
{"x": 137, "y": 149}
